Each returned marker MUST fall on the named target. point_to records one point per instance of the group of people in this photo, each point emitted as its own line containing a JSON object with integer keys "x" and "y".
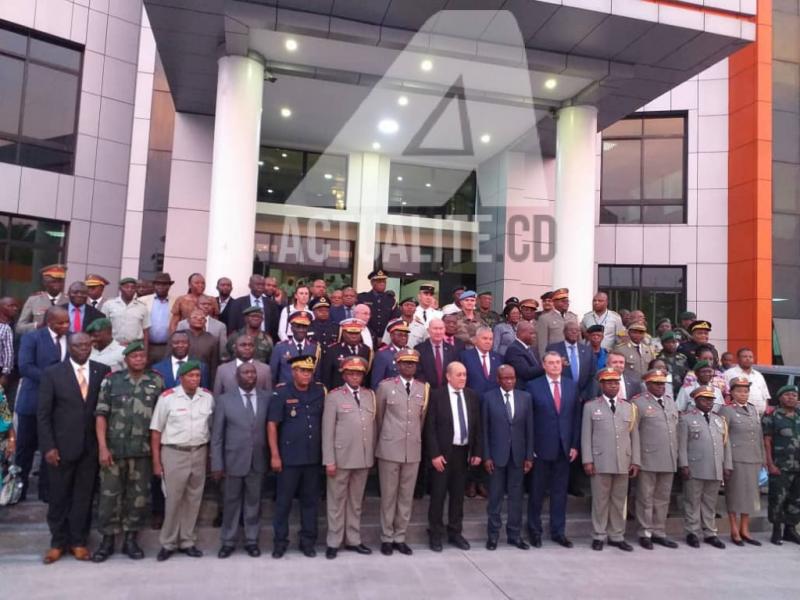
{"x": 143, "y": 392}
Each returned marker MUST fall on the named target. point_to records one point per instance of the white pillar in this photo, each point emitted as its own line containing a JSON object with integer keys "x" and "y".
{"x": 573, "y": 265}
{"x": 234, "y": 172}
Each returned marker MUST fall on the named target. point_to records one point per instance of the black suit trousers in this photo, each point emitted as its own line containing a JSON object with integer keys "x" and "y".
{"x": 69, "y": 514}
{"x": 505, "y": 480}
{"x": 552, "y": 475}
{"x": 449, "y": 483}
{"x": 305, "y": 482}
{"x": 27, "y": 444}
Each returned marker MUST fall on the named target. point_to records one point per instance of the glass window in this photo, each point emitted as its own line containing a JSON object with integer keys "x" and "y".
{"x": 432, "y": 192}
{"x": 27, "y": 245}
{"x": 302, "y": 178}
{"x": 39, "y": 92}
{"x": 643, "y": 170}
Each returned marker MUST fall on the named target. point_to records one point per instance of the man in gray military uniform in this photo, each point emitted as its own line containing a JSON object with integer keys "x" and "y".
{"x": 637, "y": 353}
{"x": 348, "y": 447}
{"x": 32, "y": 314}
{"x": 610, "y": 448}
{"x": 401, "y": 404}
{"x": 658, "y": 438}
{"x": 704, "y": 460}
{"x": 550, "y": 324}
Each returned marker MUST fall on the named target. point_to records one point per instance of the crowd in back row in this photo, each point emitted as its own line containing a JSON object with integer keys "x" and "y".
{"x": 356, "y": 344}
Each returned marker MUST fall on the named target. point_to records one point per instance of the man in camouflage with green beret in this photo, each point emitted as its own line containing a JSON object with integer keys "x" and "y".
{"x": 122, "y": 419}
{"x": 782, "y": 445}
{"x": 253, "y": 316}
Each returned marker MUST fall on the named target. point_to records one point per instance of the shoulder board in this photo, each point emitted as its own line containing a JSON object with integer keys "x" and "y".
{"x": 39, "y": 293}
{"x": 332, "y": 344}
{"x": 395, "y": 379}
{"x": 637, "y": 396}
{"x": 281, "y": 384}
{"x": 109, "y": 374}
{"x": 168, "y": 392}
{"x": 154, "y": 372}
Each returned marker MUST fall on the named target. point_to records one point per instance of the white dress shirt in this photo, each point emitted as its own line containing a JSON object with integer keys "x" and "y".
{"x": 76, "y": 367}
{"x": 510, "y": 394}
{"x": 251, "y": 405}
{"x": 551, "y": 382}
{"x": 759, "y": 392}
{"x": 175, "y": 365}
{"x": 454, "y": 410}
{"x": 61, "y": 343}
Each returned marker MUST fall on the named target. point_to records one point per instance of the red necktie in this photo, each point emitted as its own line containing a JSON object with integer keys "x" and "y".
{"x": 485, "y": 367}
{"x": 76, "y": 321}
{"x": 439, "y": 368}
{"x": 557, "y": 396}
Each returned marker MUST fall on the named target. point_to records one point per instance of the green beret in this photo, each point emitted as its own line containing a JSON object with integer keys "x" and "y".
{"x": 98, "y": 325}
{"x": 125, "y": 280}
{"x": 134, "y": 346}
{"x": 685, "y": 316}
{"x": 668, "y": 335}
{"x": 189, "y": 365}
{"x": 700, "y": 364}
{"x": 784, "y": 389}
{"x": 252, "y": 309}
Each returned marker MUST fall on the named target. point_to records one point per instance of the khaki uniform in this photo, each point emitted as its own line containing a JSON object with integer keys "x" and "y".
{"x": 32, "y": 314}
{"x": 609, "y": 440}
{"x": 742, "y": 494}
{"x": 704, "y": 448}
{"x": 636, "y": 359}
{"x": 128, "y": 321}
{"x": 348, "y": 441}
{"x": 400, "y": 417}
{"x": 550, "y": 328}
{"x": 185, "y": 426}
{"x": 658, "y": 441}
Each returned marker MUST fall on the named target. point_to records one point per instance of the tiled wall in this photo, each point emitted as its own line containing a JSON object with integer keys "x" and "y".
{"x": 93, "y": 201}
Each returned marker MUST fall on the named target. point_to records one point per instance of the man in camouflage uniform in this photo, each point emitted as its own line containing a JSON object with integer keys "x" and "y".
{"x": 124, "y": 409}
{"x": 469, "y": 319}
{"x": 782, "y": 444}
{"x": 676, "y": 362}
{"x": 253, "y": 316}
{"x": 485, "y": 310}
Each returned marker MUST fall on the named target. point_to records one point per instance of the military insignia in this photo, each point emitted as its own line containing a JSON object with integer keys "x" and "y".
{"x": 695, "y": 435}
{"x": 598, "y": 411}
{"x": 293, "y": 412}
{"x": 347, "y": 406}
{"x": 650, "y": 409}
{"x": 293, "y": 401}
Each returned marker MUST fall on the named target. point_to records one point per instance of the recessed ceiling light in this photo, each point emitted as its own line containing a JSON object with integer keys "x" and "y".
{"x": 328, "y": 176}
{"x": 426, "y": 65}
{"x": 286, "y": 112}
{"x": 550, "y": 84}
{"x": 403, "y": 100}
{"x": 427, "y": 185}
{"x": 399, "y": 178}
{"x": 403, "y": 203}
{"x": 269, "y": 191}
{"x": 261, "y": 163}
{"x": 291, "y": 44}
{"x": 388, "y": 126}
{"x": 276, "y": 168}
{"x": 486, "y": 138}
{"x": 284, "y": 155}
{"x": 376, "y": 145}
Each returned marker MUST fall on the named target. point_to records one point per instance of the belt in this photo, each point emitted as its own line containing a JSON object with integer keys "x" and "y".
{"x": 184, "y": 448}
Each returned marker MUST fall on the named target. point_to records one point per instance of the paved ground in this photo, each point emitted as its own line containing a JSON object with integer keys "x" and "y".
{"x": 707, "y": 573}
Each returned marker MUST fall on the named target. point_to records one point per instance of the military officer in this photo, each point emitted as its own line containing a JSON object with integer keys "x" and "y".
{"x": 682, "y": 330}
{"x": 253, "y": 316}
{"x": 550, "y": 324}
{"x": 129, "y": 316}
{"x": 469, "y": 319}
{"x": 704, "y": 460}
{"x": 699, "y": 332}
{"x": 423, "y": 314}
{"x": 782, "y": 444}
{"x": 348, "y": 447}
{"x": 383, "y": 306}
{"x": 401, "y": 403}
{"x": 408, "y": 307}
{"x": 610, "y": 449}
{"x": 676, "y": 362}
{"x": 122, "y": 419}
{"x": 32, "y": 314}
{"x": 487, "y": 313}
{"x": 294, "y": 434}
{"x": 105, "y": 348}
{"x": 97, "y": 285}
{"x": 350, "y": 345}
{"x": 637, "y": 354}
{"x": 384, "y": 365}
{"x": 658, "y": 439}
{"x": 322, "y": 330}
{"x": 297, "y": 345}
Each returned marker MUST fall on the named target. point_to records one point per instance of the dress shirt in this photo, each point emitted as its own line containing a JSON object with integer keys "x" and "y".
{"x": 128, "y": 321}
{"x": 159, "y": 320}
{"x": 183, "y": 420}
{"x": 454, "y": 410}
{"x": 62, "y": 343}
{"x": 76, "y": 367}
{"x": 572, "y": 352}
{"x": 759, "y": 392}
{"x": 510, "y": 394}
{"x": 176, "y": 366}
{"x": 71, "y": 308}
{"x": 223, "y": 303}
{"x": 611, "y": 322}
{"x": 560, "y": 387}
{"x": 111, "y": 356}
{"x": 240, "y": 362}
{"x": 251, "y": 403}
{"x": 608, "y": 402}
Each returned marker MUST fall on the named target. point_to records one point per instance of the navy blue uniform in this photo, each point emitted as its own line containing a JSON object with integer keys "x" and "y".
{"x": 299, "y": 418}
{"x": 334, "y": 355}
{"x": 324, "y": 333}
{"x": 283, "y": 351}
{"x": 384, "y": 309}
{"x": 384, "y": 366}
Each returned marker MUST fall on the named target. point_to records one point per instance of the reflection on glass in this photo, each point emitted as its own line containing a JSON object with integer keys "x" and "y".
{"x": 432, "y": 192}
{"x": 302, "y": 178}
{"x": 26, "y": 245}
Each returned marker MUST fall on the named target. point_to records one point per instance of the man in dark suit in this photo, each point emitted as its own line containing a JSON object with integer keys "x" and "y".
{"x": 256, "y": 297}
{"x": 481, "y": 362}
{"x": 178, "y": 355}
{"x": 224, "y": 301}
{"x": 345, "y": 311}
{"x": 350, "y": 345}
{"x": 630, "y": 385}
{"x": 226, "y": 379}
{"x": 556, "y": 435}
{"x": 67, "y": 439}
{"x": 453, "y": 440}
{"x": 434, "y": 355}
{"x": 450, "y": 331}
{"x": 579, "y": 364}
{"x": 38, "y": 350}
{"x": 239, "y": 453}
{"x": 507, "y": 425}
{"x": 80, "y": 313}
{"x": 523, "y": 355}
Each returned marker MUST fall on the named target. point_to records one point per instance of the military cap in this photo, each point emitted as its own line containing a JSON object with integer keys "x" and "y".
{"x": 740, "y": 381}
{"x": 321, "y": 302}
{"x": 637, "y": 327}
{"x": 450, "y": 309}
{"x": 134, "y": 346}
{"x": 561, "y": 293}
{"x": 546, "y": 296}
{"x": 529, "y": 302}
{"x": 467, "y": 294}
{"x": 668, "y": 335}
{"x": 163, "y": 278}
{"x": 125, "y": 280}
{"x": 701, "y": 364}
{"x": 189, "y": 365}
{"x": 512, "y": 300}
{"x": 662, "y": 321}
{"x": 704, "y": 391}
{"x": 608, "y": 374}
{"x": 595, "y": 329}
{"x": 55, "y": 271}
{"x": 407, "y": 355}
{"x": 655, "y": 376}
{"x": 352, "y": 325}
{"x": 427, "y": 289}
{"x": 409, "y": 299}
{"x": 485, "y": 293}
{"x": 784, "y": 389}
{"x": 301, "y": 317}
{"x": 699, "y": 325}
{"x": 686, "y": 315}
{"x": 302, "y": 362}
{"x": 459, "y": 288}
{"x": 354, "y": 363}
{"x": 397, "y": 325}
{"x": 253, "y": 309}
{"x": 98, "y": 325}
{"x": 379, "y": 274}
{"x": 93, "y": 280}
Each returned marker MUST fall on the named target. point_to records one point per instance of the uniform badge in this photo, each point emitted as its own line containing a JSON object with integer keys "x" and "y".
{"x": 598, "y": 411}
{"x": 695, "y": 435}
{"x": 293, "y": 412}
{"x": 347, "y": 406}
{"x": 293, "y": 402}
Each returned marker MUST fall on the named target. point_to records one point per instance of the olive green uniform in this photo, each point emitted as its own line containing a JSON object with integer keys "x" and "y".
{"x": 262, "y": 342}
{"x": 784, "y": 489}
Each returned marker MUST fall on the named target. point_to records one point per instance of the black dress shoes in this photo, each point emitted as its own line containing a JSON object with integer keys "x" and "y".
{"x": 664, "y": 541}
{"x": 278, "y": 550}
{"x": 597, "y": 545}
{"x": 715, "y": 541}
{"x": 536, "y": 540}
{"x": 562, "y": 540}
{"x": 435, "y": 544}
{"x": 622, "y": 545}
{"x": 164, "y": 554}
{"x": 491, "y": 544}
{"x": 308, "y": 551}
{"x": 192, "y": 551}
{"x": 225, "y": 552}
{"x": 387, "y": 549}
{"x": 692, "y": 540}
{"x": 646, "y": 543}
{"x": 403, "y": 548}
{"x": 252, "y": 550}
{"x": 330, "y": 553}
{"x": 360, "y": 549}
{"x": 458, "y": 541}
{"x": 520, "y": 543}
{"x": 790, "y": 534}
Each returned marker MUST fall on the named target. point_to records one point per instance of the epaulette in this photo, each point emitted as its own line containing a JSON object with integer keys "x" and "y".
{"x": 168, "y": 392}
{"x": 331, "y": 345}
{"x": 281, "y": 384}
{"x": 636, "y": 396}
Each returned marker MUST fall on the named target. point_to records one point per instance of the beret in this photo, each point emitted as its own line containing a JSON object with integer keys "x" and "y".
{"x": 189, "y": 365}
{"x": 134, "y": 346}
{"x": 98, "y": 325}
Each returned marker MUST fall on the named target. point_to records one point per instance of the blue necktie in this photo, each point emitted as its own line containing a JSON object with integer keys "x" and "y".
{"x": 462, "y": 417}
{"x": 573, "y": 363}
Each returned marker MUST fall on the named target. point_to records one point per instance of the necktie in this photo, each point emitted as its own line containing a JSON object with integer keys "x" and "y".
{"x": 355, "y": 395}
{"x": 508, "y": 407}
{"x": 94, "y": 303}
{"x": 437, "y": 354}
{"x": 178, "y": 367}
{"x": 573, "y": 363}
{"x": 258, "y": 302}
{"x": 408, "y": 388}
{"x": 52, "y": 301}
{"x": 557, "y": 396}
{"x": 708, "y": 419}
{"x": 612, "y": 405}
{"x": 76, "y": 320}
{"x": 462, "y": 417}
{"x": 348, "y": 312}
{"x": 485, "y": 367}
{"x": 300, "y": 348}
{"x": 82, "y": 382}
{"x": 425, "y": 315}
{"x": 249, "y": 402}
{"x": 661, "y": 402}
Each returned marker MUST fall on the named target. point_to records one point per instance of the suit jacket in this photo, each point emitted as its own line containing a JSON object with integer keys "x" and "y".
{"x": 225, "y": 315}
{"x": 610, "y": 440}
{"x": 225, "y": 379}
{"x": 507, "y": 440}
{"x": 555, "y": 433}
{"x": 586, "y": 366}
{"x": 526, "y": 362}
{"x": 239, "y": 437}
{"x": 164, "y": 368}
{"x": 272, "y": 314}
{"x": 205, "y": 348}
{"x": 439, "y": 428}
{"x": 426, "y": 368}
{"x": 36, "y": 352}
{"x": 89, "y": 314}
{"x": 338, "y": 313}
{"x": 383, "y": 366}
{"x": 65, "y": 419}
{"x": 476, "y": 377}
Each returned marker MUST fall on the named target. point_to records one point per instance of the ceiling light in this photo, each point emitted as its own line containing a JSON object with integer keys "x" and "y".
{"x": 291, "y": 44}
{"x": 328, "y": 176}
{"x": 388, "y": 126}
{"x": 286, "y": 112}
{"x": 550, "y": 84}
{"x": 276, "y": 168}
{"x": 486, "y": 138}
{"x": 261, "y": 163}
{"x": 284, "y": 155}
{"x": 403, "y": 203}
{"x": 403, "y": 100}
{"x": 269, "y": 191}
{"x": 427, "y": 185}
{"x": 376, "y": 145}
{"x": 399, "y": 178}
{"x": 426, "y": 65}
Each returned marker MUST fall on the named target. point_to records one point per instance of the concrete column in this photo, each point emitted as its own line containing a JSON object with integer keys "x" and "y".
{"x": 575, "y": 207}
{"x": 372, "y": 200}
{"x": 234, "y": 172}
